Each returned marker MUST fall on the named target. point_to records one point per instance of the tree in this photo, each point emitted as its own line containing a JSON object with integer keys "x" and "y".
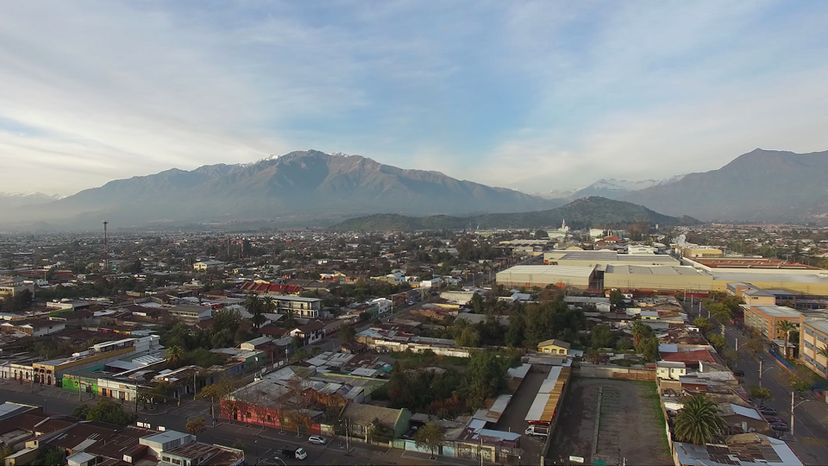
{"x": 50, "y": 456}
{"x": 760, "y": 393}
{"x": 477, "y": 303}
{"x": 256, "y": 307}
{"x": 469, "y": 337}
{"x": 105, "y": 410}
{"x": 717, "y": 341}
{"x": 699, "y": 421}
{"x": 517, "y": 328}
{"x": 541, "y": 234}
{"x": 81, "y": 411}
{"x": 348, "y": 334}
{"x": 649, "y": 349}
{"x": 640, "y": 331}
{"x": 602, "y": 337}
{"x": 430, "y": 436}
{"x": 227, "y": 319}
{"x": 703, "y": 323}
{"x": 217, "y": 391}
{"x": 174, "y": 354}
{"x": 787, "y": 327}
{"x": 616, "y": 298}
{"x": 195, "y": 425}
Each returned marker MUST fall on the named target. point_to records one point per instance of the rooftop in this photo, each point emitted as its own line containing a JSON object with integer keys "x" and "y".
{"x": 560, "y": 270}
{"x": 818, "y": 323}
{"x": 779, "y": 311}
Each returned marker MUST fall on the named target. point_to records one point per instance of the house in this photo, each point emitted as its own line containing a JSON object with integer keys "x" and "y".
{"x": 310, "y": 333}
{"x": 382, "y": 305}
{"x": 36, "y": 327}
{"x": 362, "y": 417}
{"x": 190, "y": 313}
{"x": 670, "y": 370}
{"x": 210, "y": 264}
{"x": 554, "y": 346}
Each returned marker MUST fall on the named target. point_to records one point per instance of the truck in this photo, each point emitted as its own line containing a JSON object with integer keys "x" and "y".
{"x": 537, "y": 430}
{"x": 298, "y": 453}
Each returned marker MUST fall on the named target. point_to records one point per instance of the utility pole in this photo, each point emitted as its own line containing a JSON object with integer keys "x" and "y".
{"x": 760, "y": 371}
{"x": 793, "y": 407}
{"x": 106, "y": 248}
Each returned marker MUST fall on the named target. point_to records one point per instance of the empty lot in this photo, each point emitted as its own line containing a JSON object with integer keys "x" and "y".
{"x": 629, "y": 425}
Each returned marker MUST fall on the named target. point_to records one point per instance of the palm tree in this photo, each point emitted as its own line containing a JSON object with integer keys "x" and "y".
{"x": 823, "y": 352}
{"x": 699, "y": 422}
{"x": 174, "y": 353}
{"x": 787, "y": 327}
{"x": 640, "y": 330}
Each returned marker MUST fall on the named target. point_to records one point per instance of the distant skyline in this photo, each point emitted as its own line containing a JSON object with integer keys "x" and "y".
{"x": 536, "y": 96}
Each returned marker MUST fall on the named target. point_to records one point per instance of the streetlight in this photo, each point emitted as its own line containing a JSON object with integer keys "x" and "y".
{"x": 762, "y": 371}
{"x": 794, "y": 406}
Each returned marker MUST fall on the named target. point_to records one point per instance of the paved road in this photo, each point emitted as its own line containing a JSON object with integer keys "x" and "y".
{"x": 259, "y": 444}
{"x": 810, "y": 442}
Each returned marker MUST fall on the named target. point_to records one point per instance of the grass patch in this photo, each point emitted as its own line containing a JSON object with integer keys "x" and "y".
{"x": 654, "y": 400}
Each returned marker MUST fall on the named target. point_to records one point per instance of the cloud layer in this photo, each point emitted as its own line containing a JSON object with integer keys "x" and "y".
{"x": 536, "y": 96}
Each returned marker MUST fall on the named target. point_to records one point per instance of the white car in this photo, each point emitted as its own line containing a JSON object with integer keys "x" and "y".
{"x": 301, "y": 453}
{"x": 317, "y": 440}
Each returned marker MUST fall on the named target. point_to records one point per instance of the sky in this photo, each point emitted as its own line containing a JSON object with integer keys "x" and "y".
{"x": 536, "y": 96}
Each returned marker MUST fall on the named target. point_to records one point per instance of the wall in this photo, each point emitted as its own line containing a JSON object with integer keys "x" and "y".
{"x": 614, "y": 372}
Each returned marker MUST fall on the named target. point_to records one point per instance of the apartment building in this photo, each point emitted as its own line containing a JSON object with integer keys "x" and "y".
{"x": 813, "y": 338}
{"x": 766, "y": 319}
{"x": 297, "y": 306}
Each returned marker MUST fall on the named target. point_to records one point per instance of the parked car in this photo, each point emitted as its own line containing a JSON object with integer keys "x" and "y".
{"x": 767, "y": 411}
{"x": 317, "y": 440}
{"x": 297, "y": 453}
{"x": 774, "y": 419}
{"x": 779, "y": 426}
{"x": 739, "y": 373}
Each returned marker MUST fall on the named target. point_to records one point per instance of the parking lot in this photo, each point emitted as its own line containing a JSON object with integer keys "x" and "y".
{"x": 627, "y": 427}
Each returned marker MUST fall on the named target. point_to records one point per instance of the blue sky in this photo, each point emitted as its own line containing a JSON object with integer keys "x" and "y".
{"x": 536, "y": 96}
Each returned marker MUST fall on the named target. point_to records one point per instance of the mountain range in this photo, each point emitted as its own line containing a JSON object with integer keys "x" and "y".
{"x": 311, "y": 188}
{"x": 760, "y": 186}
{"x": 582, "y": 213}
{"x": 296, "y": 189}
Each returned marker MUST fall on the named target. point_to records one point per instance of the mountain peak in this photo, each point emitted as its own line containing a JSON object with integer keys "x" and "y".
{"x": 301, "y": 187}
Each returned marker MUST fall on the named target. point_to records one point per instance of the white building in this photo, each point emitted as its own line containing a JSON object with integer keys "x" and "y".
{"x": 383, "y": 305}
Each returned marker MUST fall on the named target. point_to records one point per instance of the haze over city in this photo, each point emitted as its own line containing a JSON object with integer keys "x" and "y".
{"x": 535, "y": 96}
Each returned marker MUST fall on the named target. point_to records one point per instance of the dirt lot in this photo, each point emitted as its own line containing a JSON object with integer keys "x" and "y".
{"x": 630, "y": 424}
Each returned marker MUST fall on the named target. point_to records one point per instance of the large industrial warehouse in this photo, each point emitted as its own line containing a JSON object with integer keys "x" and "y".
{"x": 597, "y": 270}
{"x": 541, "y": 276}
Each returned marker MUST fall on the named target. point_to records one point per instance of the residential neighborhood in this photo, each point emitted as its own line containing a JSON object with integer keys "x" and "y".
{"x": 503, "y": 346}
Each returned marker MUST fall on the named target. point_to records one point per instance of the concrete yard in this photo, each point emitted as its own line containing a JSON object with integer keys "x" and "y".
{"x": 629, "y": 424}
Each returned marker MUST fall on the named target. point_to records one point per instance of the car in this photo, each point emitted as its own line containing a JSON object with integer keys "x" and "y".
{"x": 301, "y": 453}
{"x": 297, "y": 453}
{"x": 779, "y": 426}
{"x": 739, "y": 373}
{"x": 767, "y": 411}
{"x": 317, "y": 440}
{"x": 774, "y": 419}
